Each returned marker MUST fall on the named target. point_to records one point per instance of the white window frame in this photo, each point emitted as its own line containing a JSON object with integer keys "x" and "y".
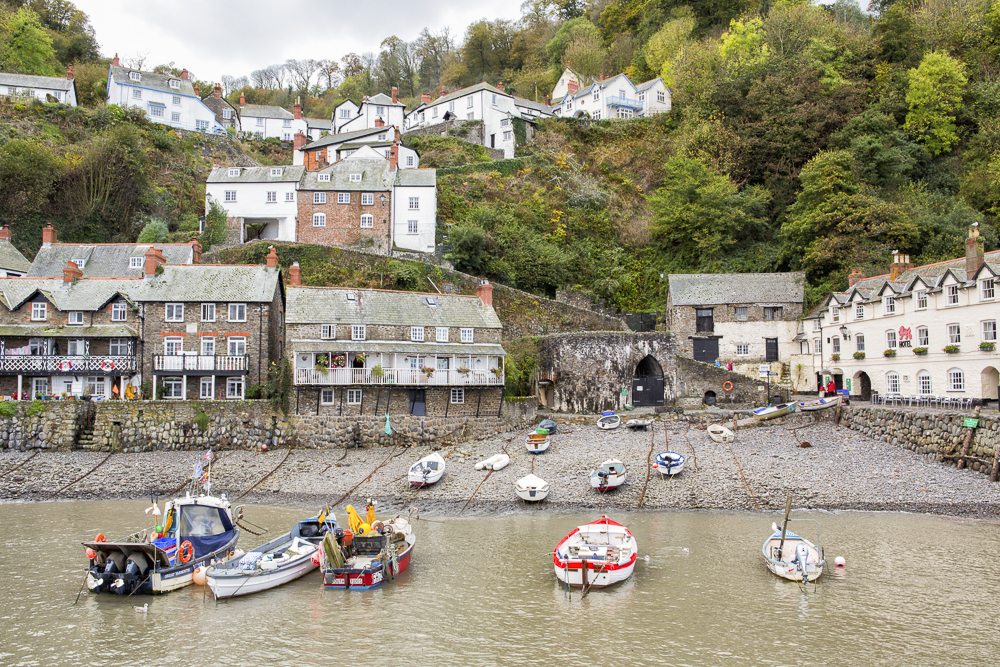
{"x": 466, "y": 334}
{"x": 888, "y": 305}
{"x": 923, "y": 336}
{"x": 323, "y": 178}
{"x": 743, "y": 349}
{"x": 508, "y": 136}
{"x": 236, "y": 346}
{"x": 206, "y": 346}
{"x": 354, "y": 396}
{"x": 954, "y": 334}
{"x": 409, "y": 160}
{"x": 328, "y": 331}
{"x": 989, "y": 330}
{"x": 417, "y": 334}
{"x": 207, "y": 382}
{"x": 859, "y": 311}
{"x": 441, "y": 334}
{"x": 156, "y": 111}
{"x": 173, "y": 312}
{"x": 39, "y": 311}
{"x": 358, "y": 332}
{"x": 136, "y": 93}
{"x": 173, "y": 388}
{"x": 925, "y": 386}
{"x": 458, "y": 395}
{"x": 367, "y": 198}
{"x": 890, "y": 340}
{"x": 319, "y": 219}
{"x": 119, "y": 312}
{"x": 892, "y": 382}
{"x": 319, "y": 197}
{"x": 859, "y": 342}
{"x": 175, "y": 117}
{"x": 326, "y": 396}
{"x": 343, "y": 197}
{"x": 289, "y": 197}
{"x": 235, "y": 387}
{"x": 468, "y": 102}
{"x": 412, "y": 226}
{"x": 835, "y": 347}
{"x": 136, "y": 262}
{"x": 987, "y": 289}
{"x": 237, "y": 312}
{"x": 233, "y": 172}
{"x": 951, "y": 295}
{"x": 367, "y": 221}
{"x": 740, "y": 313}
{"x": 804, "y": 347}
{"x": 173, "y": 345}
{"x": 74, "y": 318}
{"x": 921, "y": 299}
{"x": 118, "y": 347}
{"x": 227, "y": 114}
{"x": 134, "y": 76}
{"x": 834, "y": 314}
{"x": 354, "y": 178}
{"x": 208, "y": 312}
{"x": 230, "y": 195}
{"x": 956, "y": 379}
{"x": 414, "y": 204}
{"x": 276, "y": 171}
{"x": 272, "y": 196}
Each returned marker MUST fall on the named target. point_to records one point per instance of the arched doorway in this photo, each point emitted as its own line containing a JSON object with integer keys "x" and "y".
{"x": 647, "y": 382}
{"x": 863, "y": 386}
{"x": 991, "y": 384}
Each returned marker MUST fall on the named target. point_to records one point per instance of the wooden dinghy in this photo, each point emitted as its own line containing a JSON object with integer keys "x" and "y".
{"x": 792, "y": 556}
{"x": 536, "y": 443}
{"x": 772, "y": 411}
{"x": 720, "y": 433}
{"x": 819, "y": 404}
{"x": 531, "y": 488}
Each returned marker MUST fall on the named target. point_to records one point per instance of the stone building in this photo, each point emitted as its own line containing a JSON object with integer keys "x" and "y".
{"x": 225, "y": 113}
{"x": 746, "y": 318}
{"x": 372, "y": 352}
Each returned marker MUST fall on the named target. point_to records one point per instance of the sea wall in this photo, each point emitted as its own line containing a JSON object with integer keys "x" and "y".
{"x": 934, "y": 434}
{"x": 44, "y": 424}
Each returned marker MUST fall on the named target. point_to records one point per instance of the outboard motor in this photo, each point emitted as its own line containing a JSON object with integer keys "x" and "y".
{"x": 801, "y": 559}
{"x": 136, "y": 568}
{"x": 100, "y": 581}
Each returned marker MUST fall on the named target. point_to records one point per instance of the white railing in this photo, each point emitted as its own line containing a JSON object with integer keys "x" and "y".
{"x": 396, "y": 376}
{"x": 67, "y": 365}
{"x": 200, "y": 362}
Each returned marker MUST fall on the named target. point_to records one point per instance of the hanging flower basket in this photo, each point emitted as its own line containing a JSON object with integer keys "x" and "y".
{"x": 987, "y": 347}
{"x": 859, "y": 355}
{"x": 464, "y": 371}
{"x": 497, "y": 371}
{"x": 889, "y": 353}
{"x": 835, "y": 357}
{"x": 952, "y": 349}
{"x": 427, "y": 370}
{"x": 360, "y": 357}
{"x": 339, "y": 361}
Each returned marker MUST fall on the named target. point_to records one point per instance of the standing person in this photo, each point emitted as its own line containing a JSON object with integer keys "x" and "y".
{"x": 730, "y": 366}
{"x": 717, "y": 363}
{"x": 831, "y": 388}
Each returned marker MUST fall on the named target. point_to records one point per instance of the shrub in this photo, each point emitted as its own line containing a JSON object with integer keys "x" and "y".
{"x": 215, "y": 227}
{"x": 201, "y": 420}
{"x": 889, "y": 353}
{"x": 36, "y": 407}
{"x": 7, "y": 409}
{"x": 154, "y": 231}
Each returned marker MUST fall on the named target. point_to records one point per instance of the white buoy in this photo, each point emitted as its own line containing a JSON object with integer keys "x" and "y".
{"x": 840, "y": 562}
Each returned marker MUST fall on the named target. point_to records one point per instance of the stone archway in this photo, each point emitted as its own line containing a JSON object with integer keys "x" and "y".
{"x": 991, "y": 383}
{"x": 647, "y": 382}
{"x": 862, "y": 386}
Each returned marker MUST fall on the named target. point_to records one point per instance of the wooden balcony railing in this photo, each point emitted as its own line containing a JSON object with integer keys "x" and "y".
{"x": 183, "y": 363}
{"x": 59, "y": 364}
{"x": 397, "y": 376}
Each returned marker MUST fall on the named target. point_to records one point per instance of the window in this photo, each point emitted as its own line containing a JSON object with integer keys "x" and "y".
{"x": 742, "y": 349}
{"x": 368, "y": 199}
{"x": 175, "y": 117}
{"x": 173, "y": 312}
{"x": 237, "y": 312}
{"x": 233, "y": 171}
{"x": 859, "y": 311}
{"x": 924, "y": 383}
{"x": 836, "y": 345}
{"x": 890, "y": 340}
{"x": 208, "y": 312}
{"x": 230, "y": 195}
{"x": 156, "y": 111}
{"x": 134, "y": 76}
{"x": 208, "y": 346}
{"x": 470, "y": 116}
{"x": 892, "y": 383}
{"x": 773, "y": 312}
{"x": 457, "y": 395}
{"x": 176, "y": 99}
{"x": 286, "y": 123}
{"x": 118, "y": 347}
{"x": 355, "y": 178}
{"x": 227, "y": 114}
{"x": 136, "y": 94}
{"x": 323, "y": 178}
{"x": 237, "y": 346}
{"x": 75, "y": 318}
{"x": 507, "y": 136}
{"x": 990, "y": 331}
{"x": 388, "y": 153}
{"x": 343, "y": 197}
{"x": 234, "y": 387}
{"x": 468, "y": 102}
{"x": 954, "y": 334}
{"x": 326, "y": 397}
{"x": 411, "y": 226}
{"x": 417, "y": 333}
{"x": 661, "y": 96}
{"x": 260, "y": 122}
{"x": 367, "y": 221}
{"x": 466, "y": 334}
{"x": 409, "y": 160}
{"x": 987, "y": 291}
{"x": 173, "y": 388}
{"x": 816, "y": 325}
{"x": 381, "y": 137}
{"x": 119, "y": 312}
{"x": 345, "y": 113}
{"x": 74, "y": 348}
{"x": 357, "y": 332}
{"x": 834, "y": 314}
{"x": 173, "y": 345}
{"x": 642, "y": 97}
{"x": 956, "y": 379}
{"x": 740, "y": 314}
{"x": 201, "y": 125}
{"x": 859, "y": 341}
{"x": 817, "y": 346}
{"x": 621, "y": 93}
{"x": 289, "y": 196}
{"x": 921, "y": 299}
{"x": 952, "y": 292}
{"x": 354, "y": 397}
{"x": 441, "y": 334}
{"x": 319, "y": 219}
{"x": 174, "y": 83}
{"x": 207, "y": 387}
{"x": 596, "y": 115}
{"x": 272, "y": 197}
{"x": 319, "y": 197}
{"x": 328, "y": 331}
{"x": 135, "y": 262}
{"x": 38, "y": 311}
{"x": 888, "y": 305}
{"x": 276, "y": 171}
{"x": 923, "y": 337}
{"x": 504, "y": 122}
{"x": 804, "y": 347}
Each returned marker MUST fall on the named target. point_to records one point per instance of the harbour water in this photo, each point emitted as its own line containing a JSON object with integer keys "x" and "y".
{"x": 917, "y": 590}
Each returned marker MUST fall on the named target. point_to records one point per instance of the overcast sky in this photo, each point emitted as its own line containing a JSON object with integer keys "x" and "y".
{"x": 213, "y": 38}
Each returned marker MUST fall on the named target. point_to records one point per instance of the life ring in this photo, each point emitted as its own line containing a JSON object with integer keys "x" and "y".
{"x": 107, "y": 365}
{"x": 65, "y": 366}
{"x": 186, "y": 552}
{"x": 100, "y": 538}
{"x": 727, "y": 385}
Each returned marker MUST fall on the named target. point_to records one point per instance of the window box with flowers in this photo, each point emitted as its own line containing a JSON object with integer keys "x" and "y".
{"x": 920, "y": 350}
{"x": 464, "y": 371}
{"x": 835, "y": 357}
{"x": 859, "y": 355}
{"x": 889, "y": 353}
{"x": 987, "y": 347}
{"x": 427, "y": 370}
{"x": 952, "y": 349}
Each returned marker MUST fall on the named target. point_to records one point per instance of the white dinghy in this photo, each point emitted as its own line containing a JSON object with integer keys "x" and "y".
{"x": 531, "y": 488}
{"x": 720, "y": 433}
{"x": 792, "y": 556}
{"x": 608, "y": 421}
{"x": 608, "y": 475}
{"x": 427, "y": 470}
{"x": 668, "y": 463}
{"x": 595, "y": 555}
{"x": 819, "y": 404}
{"x": 536, "y": 443}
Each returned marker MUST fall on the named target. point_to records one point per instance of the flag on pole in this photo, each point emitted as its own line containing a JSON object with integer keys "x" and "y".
{"x": 197, "y": 470}
{"x": 208, "y": 455}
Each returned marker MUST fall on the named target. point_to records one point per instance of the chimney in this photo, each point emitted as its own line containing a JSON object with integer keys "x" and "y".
{"x": 69, "y": 72}
{"x": 154, "y": 258}
{"x": 397, "y": 135}
{"x": 48, "y": 235}
{"x": 500, "y": 86}
{"x": 485, "y": 293}
{"x": 602, "y": 76}
{"x": 184, "y": 74}
{"x": 195, "y": 251}
{"x": 900, "y": 264}
{"x": 272, "y": 259}
{"x": 855, "y": 277}
{"x": 5, "y": 232}
{"x": 243, "y": 100}
{"x": 572, "y": 86}
{"x": 425, "y": 98}
{"x": 297, "y": 109}
{"x": 443, "y": 91}
{"x": 974, "y": 253}
{"x": 548, "y": 101}
{"x": 196, "y": 89}
{"x": 217, "y": 91}
{"x": 379, "y": 122}
{"x": 300, "y": 140}
{"x": 71, "y": 272}
{"x": 295, "y": 275}
{"x": 393, "y": 157}
{"x": 116, "y": 62}
{"x": 395, "y": 95}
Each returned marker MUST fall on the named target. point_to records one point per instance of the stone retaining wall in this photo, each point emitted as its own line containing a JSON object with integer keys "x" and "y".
{"x": 56, "y": 426}
{"x": 938, "y": 434}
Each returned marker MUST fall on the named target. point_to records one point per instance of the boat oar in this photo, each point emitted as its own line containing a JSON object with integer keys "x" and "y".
{"x": 784, "y": 524}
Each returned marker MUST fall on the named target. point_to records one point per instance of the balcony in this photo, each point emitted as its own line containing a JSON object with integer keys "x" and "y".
{"x": 233, "y": 364}
{"x": 68, "y": 365}
{"x": 398, "y": 377}
{"x": 624, "y": 102}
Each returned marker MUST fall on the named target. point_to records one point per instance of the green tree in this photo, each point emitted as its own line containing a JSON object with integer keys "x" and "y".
{"x": 25, "y": 46}
{"x": 698, "y": 215}
{"x": 934, "y": 97}
{"x": 664, "y": 46}
{"x": 154, "y": 231}
{"x": 575, "y": 30}
{"x": 28, "y": 173}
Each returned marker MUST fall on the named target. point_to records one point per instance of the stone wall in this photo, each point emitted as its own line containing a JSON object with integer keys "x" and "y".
{"x": 934, "y": 434}
{"x": 342, "y": 222}
{"x": 697, "y": 381}
{"x": 471, "y": 131}
{"x": 57, "y": 425}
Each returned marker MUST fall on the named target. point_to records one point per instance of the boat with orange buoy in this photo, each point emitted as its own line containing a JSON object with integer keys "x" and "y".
{"x": 369, "y": 554}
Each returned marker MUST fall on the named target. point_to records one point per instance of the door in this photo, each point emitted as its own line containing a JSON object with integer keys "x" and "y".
{"x": 706, "y": 349}
{"x": 493, "y": 142}
{"x": 770, "y": 349}
{"x": 647, "y": 390}
{"x": 705, "y": 320}
{"x": 418, "y": 403}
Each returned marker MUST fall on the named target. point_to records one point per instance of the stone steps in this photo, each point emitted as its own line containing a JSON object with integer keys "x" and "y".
{"x": 86, "y": 439}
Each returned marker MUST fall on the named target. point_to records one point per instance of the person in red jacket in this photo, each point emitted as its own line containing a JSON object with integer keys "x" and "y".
{"x": 831, "y": 388}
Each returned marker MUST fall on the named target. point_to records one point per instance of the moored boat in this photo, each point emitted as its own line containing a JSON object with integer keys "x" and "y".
{"x": 427, "y": 470}
{"x": 609, "y": 475}
{"x": 772, "y": 411}
{"x": 531, "y": 487}
{"x": 595, "y": 555}
{"x": 609, "y": 421}
{"x": 668, "y": 463}
{"x": 819, "y": 404}
{"x": 536, "y": 443}
{"x": 367, "y": 561}
{"x": 792, "y": 556}
{"x": 638, "y": 424}
{"x": 720, "y": 433}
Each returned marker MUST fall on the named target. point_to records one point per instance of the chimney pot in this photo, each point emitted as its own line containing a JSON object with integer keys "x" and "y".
{"x": 243, "y": 100}
{"x": 115, "y": 61}
{"x": 196, "y": 91}
{"x": 425, "y": 98}
{"x": 71, "y": 272}
{"x": 69, "y": 72}
{"x": 184, "y": 74}
{"x": 395, "y": 94}
{"x": 393, "y": 157}
{"x": 154, "y": 258}
{"x": 48, "y": 235}
{"x": 485, "y": 293}
{"x": 295, "y": 275}
{"x": 5, "y": 232}
{"x": 272, "y": 259}
{"x": 379, "y": 122}
{"x": 297, "y": 109}
{"x": 974, "y": 252}
{"x": 195, "y": 251}
{"x": 217, "y": 91}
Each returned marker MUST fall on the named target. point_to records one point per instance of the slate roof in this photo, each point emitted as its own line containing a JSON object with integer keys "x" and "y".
{"x": 466, "y": 91}
{"x": 86, "y": 294}
{"x": 33, "y": 81}
{"x": 11, "y": 258}
{"x": 319, "y": 123}
{"x": 381, "y": 99}
{"x": 265, "y": 111}
{"x": 703, "y": 289}
{"x": 586, "y": 90}
{"x": 396, "y": 346}
{"x": 329, "y": 305}
{"x": 255, "y": 175}
{"x": 374, "y": 176}
{"x": 150, "y": 80}
{"x": 343, "y": 137}
{"x": 218, "y": 105}
{"x": 106, "y": 260}
{"x": 209, "y": 282}
{"x": 647, "y": 85}
{"x": 416, "y": 177}
{"x": 537, "y": 106}
{"x": 41, "y": 330}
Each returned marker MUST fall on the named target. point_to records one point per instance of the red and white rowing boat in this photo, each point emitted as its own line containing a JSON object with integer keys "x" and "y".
{"x": 597, "y": 554}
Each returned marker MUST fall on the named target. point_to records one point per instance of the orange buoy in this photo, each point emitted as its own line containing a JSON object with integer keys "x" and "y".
{"x": 314, "y": 559}
{"x": 90, "y": 553}
{"x": 199, "y": 576}
{"x": 100, "y": 538}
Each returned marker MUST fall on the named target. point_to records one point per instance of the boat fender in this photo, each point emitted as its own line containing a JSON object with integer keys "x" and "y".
{"x": 840, "y": 562}
{"x": 186, "y": 552}
{"x": 100, "y": 538}
{"x": 727, "y": 385}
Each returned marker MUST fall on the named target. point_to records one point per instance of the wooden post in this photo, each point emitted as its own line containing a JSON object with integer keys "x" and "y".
{"x": 734, "y": 423}
{"x": 836, "y": 418}
{"x": 968, "y": 440}
{"x": 996, "y": 463}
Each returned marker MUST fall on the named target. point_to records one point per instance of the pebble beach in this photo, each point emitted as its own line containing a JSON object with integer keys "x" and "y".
{"x": 837, "y": 469}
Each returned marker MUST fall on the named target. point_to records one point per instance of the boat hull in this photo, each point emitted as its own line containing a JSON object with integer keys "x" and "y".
{"x": 418, "y": 480}
{"x": 362, "y": 580}
{"x": 773, "y": 412}
{"x": 596, "y": 555}
{"x": 783, "y": 566}
{"x": 536, "y": 446}
{"x": 720, "y": 433}
{"x": 573, "y": 575}
{"x": 820, "y": 404}
{"x": 609, "y": 483}
{"x": 238, "y": 585}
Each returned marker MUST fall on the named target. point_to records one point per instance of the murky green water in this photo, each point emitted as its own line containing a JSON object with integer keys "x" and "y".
{"x": 918, "y": 590}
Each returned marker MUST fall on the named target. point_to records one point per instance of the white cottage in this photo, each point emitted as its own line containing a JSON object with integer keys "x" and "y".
{"x": 260, "y": 202}
{"x": 375, "y": 111}
{"x": 44, "y": 88}
{"x": 265, "y": 121}
{"x": 166, "y": 99}
{"x": 616, "y": 97}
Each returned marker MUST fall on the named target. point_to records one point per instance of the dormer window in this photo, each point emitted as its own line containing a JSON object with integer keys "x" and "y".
{"x": 597, "y": 94}
{"x": 889, "y": 305}
{"x": 38, "y": 311}
{"x": 135, "y": 262}
{"x": 174, "y": 83}
{"x": 276, "y": 171}
{"x": 323, "y": 178}
{"x": 234, "y": 171}
{"x": 987, "y": 289}
{"x": 859, "y": 311}
{"x": 834, "y": 314}
{"x": 80, "y": 262}
{"x": 952, "y": 291}
{"x": 227, "y": 114}
{"x": 134, "y": 76}
{"x": 921, "y": 299}
{"x": 355, "y": 178}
